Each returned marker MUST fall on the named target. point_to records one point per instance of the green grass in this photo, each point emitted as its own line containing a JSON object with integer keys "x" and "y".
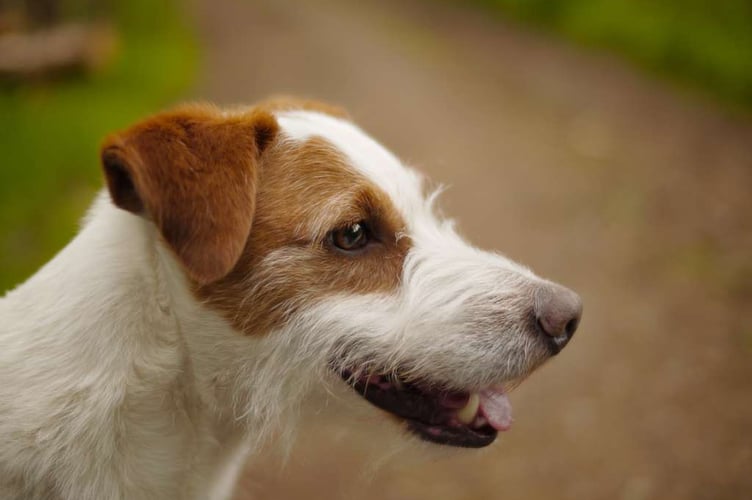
{"x": 706, "y": 44}
{"x": 50, "y": 133}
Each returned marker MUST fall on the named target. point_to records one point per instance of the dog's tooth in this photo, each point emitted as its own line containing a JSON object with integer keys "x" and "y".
{"x": 467, "y": 414}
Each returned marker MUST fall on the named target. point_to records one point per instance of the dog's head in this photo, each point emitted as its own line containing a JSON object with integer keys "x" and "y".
{"x": 322, "y": 251}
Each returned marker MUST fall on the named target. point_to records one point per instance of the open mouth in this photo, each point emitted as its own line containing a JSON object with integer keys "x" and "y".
{"x": 465, "y": 419}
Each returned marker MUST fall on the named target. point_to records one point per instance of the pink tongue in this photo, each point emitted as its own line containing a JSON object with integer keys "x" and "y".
{"x": 495, "y": 406}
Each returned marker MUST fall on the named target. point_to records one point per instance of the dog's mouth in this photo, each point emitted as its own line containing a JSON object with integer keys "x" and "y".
{"x": 454, "y": 418}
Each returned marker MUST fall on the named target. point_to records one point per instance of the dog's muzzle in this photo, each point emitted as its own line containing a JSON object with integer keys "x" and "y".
{"x": 471, "y": 418}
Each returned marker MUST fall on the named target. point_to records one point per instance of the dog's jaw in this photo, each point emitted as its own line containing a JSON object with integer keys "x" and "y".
{"x": 456, "y": 418}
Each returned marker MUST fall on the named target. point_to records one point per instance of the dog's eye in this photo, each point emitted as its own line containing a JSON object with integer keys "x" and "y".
{"x": 350, "y": 238}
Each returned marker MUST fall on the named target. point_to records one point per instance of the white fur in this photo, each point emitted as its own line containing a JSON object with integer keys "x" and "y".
{"x": 403, "y": 185}
{"x": 116, "y": 383}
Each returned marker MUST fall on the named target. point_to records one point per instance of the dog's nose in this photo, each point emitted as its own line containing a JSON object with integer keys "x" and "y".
{"x": 557, "y": 313}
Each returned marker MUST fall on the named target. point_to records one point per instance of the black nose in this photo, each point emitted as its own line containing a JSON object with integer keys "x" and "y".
{"x": 557, "y": 313}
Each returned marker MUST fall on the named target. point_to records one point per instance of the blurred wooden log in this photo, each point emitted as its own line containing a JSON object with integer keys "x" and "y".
{"x": 43, "y": 12}
{"x": 62, "y": 49}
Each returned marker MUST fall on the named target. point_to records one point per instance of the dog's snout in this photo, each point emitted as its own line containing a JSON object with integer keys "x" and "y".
{"x": 557, "y": 313}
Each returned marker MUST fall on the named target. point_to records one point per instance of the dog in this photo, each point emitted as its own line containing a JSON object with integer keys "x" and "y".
{"x": 241, "y": 263}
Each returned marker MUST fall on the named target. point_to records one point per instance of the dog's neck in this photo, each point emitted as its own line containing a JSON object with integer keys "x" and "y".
{"x": 136, "y": 374}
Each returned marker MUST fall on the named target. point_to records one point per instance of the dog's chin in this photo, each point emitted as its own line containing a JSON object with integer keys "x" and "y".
{"x": 448, "y": 417}
{"x": 461, "y": 436}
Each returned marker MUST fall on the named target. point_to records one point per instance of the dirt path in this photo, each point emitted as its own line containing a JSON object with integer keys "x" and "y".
{"x": 636, "y": 196}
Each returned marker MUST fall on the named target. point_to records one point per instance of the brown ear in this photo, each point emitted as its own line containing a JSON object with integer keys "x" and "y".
{"x": 193, "y": 173}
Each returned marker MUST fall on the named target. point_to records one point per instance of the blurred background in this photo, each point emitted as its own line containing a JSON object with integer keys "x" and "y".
{"x": 607, "y": 144}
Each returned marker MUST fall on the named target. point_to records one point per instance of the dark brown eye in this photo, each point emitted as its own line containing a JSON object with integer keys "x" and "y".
{"x": 352, "y": 237}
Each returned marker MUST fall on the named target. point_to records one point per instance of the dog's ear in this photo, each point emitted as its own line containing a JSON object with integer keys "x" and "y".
{"x": 193, "y": 172}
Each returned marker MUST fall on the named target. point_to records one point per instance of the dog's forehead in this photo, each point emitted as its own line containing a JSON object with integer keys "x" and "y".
{"x": 402, "y": 184}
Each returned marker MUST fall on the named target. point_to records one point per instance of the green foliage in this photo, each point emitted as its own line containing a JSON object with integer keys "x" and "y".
{"x": 50, "y": 132}
{"x": 705, "y": 43}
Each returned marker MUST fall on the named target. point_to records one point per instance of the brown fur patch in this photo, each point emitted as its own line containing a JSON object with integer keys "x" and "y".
{"x": 248, "y": 215}
{"x": 193, "y": 172}
{"x": 306, "y": 190}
